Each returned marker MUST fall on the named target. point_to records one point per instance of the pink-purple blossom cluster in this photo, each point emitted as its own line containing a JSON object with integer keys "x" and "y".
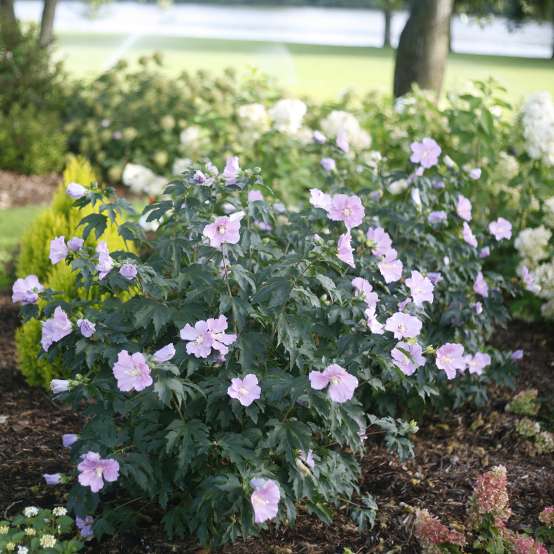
{"x": 206, "y": 336}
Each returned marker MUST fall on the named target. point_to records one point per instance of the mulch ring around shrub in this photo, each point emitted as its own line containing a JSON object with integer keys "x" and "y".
{"x": 21, "y": 190}
{"x": 451, "y": 450}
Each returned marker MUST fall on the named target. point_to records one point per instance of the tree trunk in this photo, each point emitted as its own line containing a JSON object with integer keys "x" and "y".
{"x": 423, "y": 48}
{"x": 9, "y": 27}
{"x": 47, "y": 22}
{"x": 387, "y": 13}
{"x": 451, "y": 34}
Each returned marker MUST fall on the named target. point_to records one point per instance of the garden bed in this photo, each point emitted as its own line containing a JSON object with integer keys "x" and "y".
{"x": 23, "y": 190}
{"x": 451, "y": 450}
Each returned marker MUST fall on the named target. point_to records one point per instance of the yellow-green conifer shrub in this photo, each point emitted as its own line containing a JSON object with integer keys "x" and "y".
{"x": 61, "y": 218}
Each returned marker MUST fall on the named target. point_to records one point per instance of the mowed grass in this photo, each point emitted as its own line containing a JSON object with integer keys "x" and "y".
{"x": 321, "y": 72}
{"x": 13, "y": 223}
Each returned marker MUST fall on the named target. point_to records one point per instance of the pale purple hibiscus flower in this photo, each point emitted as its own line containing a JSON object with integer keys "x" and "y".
{"x": 328, "y": 164}
{"x": 307, "y": 458}
{"x": 69, "y": 439}
{"x": 245, "y": 390}
{"x": 57, "y": 386}
{"x": 425, "y": 153}
{"x": 477, "y": 363}
{"x": 58, "y": 250}
{"x": 105, "y": 261}
{"x": 380, "y": 240}
{"x": 164, "y": 354}
{"x": 265, "y": 499}
{"x": 55, "y": 329}
{"x": 371, "y": 317}
{"x": 403, "y": 326}
{"x": 86, "y": 327}
{"x": 345, "y": 252}
{"x": 52, "y": 478}
{"x": 391, "y": 270}
{"x": 255, "y": 196}
{"x": 485, "y": 252}
{"x": 528, "y": 279}
{"x": 450, "y": 358}
{"x": 85, "y": 526}
{"x": 199, "y": 339}
{"x": 468, "y": 235}
{"x": 420, "y": 287}
{"x": 75, "y": 244}
{"x": 319, "y": 199}
{"x": 517, "y": 355}
{"x": 319, "y": 137}
{"x": 342, "y": 141}
{"x": 501, "y": 229}
{"x": 480, "y": 285}
{"x": 348, "y": 209}
{"x": 231, "y": 171}
{"x": 478, "y": 308}
{"x": 435, "y": 277}
{"x": 132, "y": 372}
{"x": 94, "y": 470}
{"x": 224, "y": 229}
{"x": 75, "y": 190}
{"x": 407, "y": 357}
{"x": 474, "y": 173}
{"x": 220, "y": 340}
{"x": 463, "y": 207}
{"x": 365, "y": 291}
{"x": 341, "y": 383}
{"x": 26, "y": 290}
{"x": 128, "y": 271}
{"x": 437, "y": 217}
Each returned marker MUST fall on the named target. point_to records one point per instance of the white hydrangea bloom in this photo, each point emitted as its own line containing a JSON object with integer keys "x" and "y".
{"x": 30, "y": 511}
{"x": 532, "y": 244}
{"x": 191, "y": 137}
{"x": 537, "y": 118}
{"x": 547, "y": 309}
{"x": 548, "y": 208}
{"x": 507, "y": 167}
{"x": 398, "y": 186}
{"x": 544, "y": 276}
{"x": 254, "y": 117}
{"x": 180, "y": 165}
{"x": 142, "y": 180}
{"x": 287, "y": 115}
{"x": 344, "y": 122}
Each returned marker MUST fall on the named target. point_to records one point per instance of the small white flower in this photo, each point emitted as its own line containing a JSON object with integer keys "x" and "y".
{"x": 30, "y": 511}
{"x": 47, "y": 541}
{"x": 22, "y": 550}
{"x": 59, "y": 511}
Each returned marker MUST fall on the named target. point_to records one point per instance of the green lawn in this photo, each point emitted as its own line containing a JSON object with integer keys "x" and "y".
{"x": 319, "y": 71}
{"x": 13, "y": 222}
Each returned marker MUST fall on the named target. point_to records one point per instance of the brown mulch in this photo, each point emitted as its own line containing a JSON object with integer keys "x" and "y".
{"x": 22, "y": 190}
{"x": 450, "y": 452}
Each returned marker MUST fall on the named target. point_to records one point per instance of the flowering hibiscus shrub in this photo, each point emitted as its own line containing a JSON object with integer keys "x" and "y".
{"x": 228, "y": 370}
{"x": 488, "y": 514}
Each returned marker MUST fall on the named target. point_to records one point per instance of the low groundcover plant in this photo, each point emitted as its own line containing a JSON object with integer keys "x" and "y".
{"x": 254, "y": 345}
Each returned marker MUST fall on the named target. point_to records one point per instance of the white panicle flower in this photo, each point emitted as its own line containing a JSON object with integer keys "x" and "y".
{"x": 537, "y": 119}
{"x": 180, "y": 165}
{"x": 142, "y": 180}
{"x": 30, "y": 511}
{"x": 22, "y": 550}
{"x": 531, "y": 244}
{"x": 59, "y": 511}
{"x": 338, "y": 122}
{"x": 507, "y": 167}
{"x": 548, "y": 207}
{"x": 254, "y": 117}
{"x": 47, "y": 541}
{"x": 191, "y": 136}
{"x": 544, "y": 276}
{"x": 287, "y": 115}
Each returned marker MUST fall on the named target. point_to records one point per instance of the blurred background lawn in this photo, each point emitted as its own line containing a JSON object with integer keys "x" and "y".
{"x": 320, "y": 71}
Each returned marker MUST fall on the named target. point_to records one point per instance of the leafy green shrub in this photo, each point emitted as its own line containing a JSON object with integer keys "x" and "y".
{"x": 38, "y": 530}
{"x": 31, "y": 141}
{"x": 237, "y": 376}
{"x": 61, "y": 219}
